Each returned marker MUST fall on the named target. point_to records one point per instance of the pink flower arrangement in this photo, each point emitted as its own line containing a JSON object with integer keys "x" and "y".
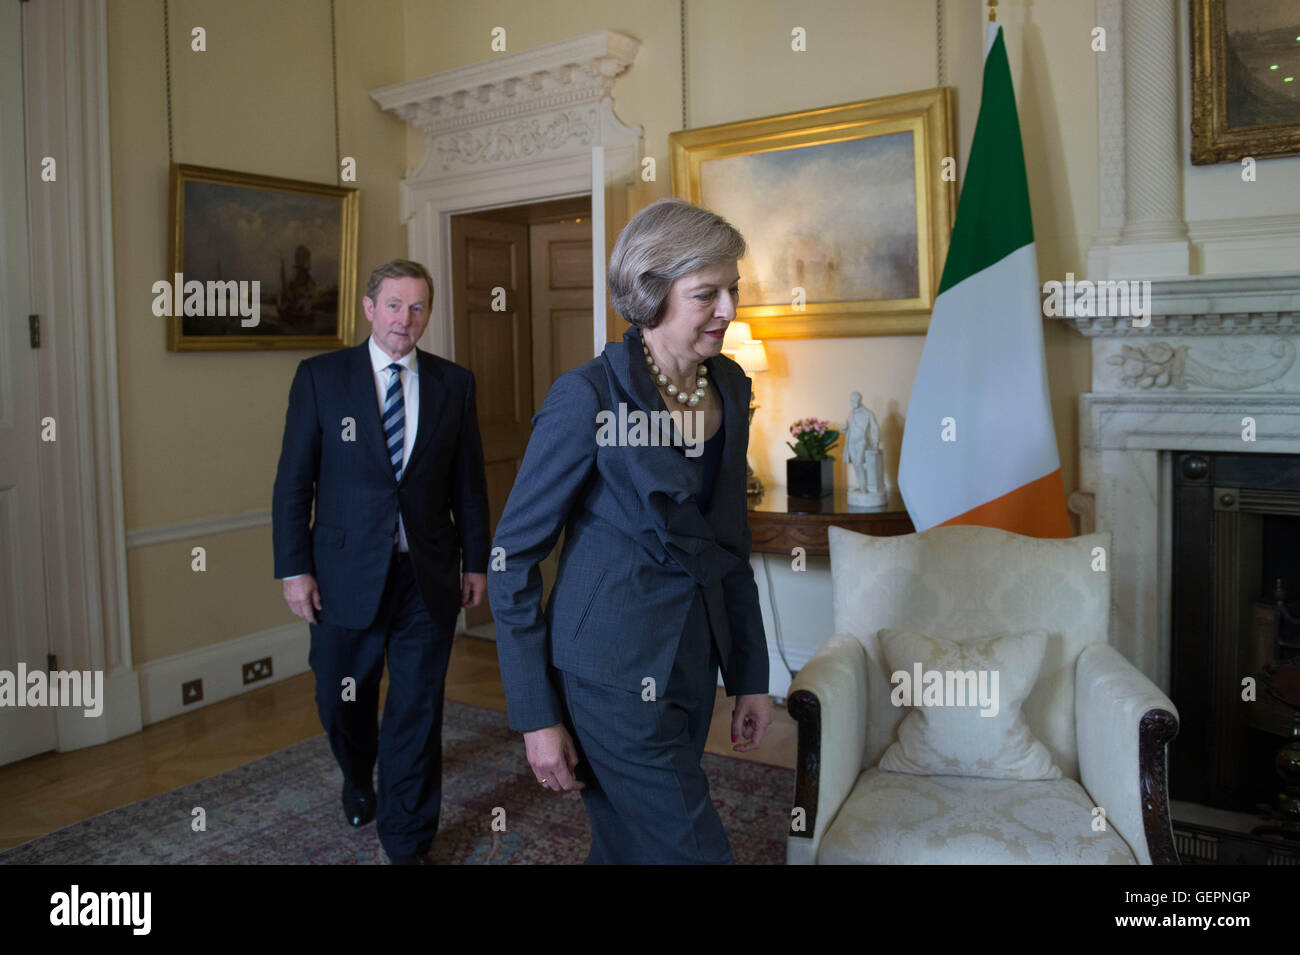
{"x": 814, "y": 438}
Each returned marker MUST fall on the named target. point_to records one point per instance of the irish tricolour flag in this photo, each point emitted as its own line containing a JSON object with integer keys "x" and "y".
{"x": 979, "y": 447}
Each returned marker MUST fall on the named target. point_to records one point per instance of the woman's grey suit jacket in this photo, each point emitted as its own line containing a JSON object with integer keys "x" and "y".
{"x": 638, "y": 549}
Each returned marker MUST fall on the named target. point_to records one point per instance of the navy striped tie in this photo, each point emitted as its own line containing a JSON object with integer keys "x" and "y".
{"x": 395, "y": 419}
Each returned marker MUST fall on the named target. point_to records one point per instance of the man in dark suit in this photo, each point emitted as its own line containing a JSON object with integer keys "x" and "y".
{"x": 384, "y": 437}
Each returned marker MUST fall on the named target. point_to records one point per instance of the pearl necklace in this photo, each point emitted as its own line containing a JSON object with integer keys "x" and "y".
{"x": 701, "y": 381}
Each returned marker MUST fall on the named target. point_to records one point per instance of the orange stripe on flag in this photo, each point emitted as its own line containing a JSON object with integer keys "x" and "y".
{"x": 1036, "y": 509}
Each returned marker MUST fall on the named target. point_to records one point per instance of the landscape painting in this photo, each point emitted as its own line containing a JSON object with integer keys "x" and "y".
{"x": 838, "y": 244}
{"x": 262, "y": 263}
{"x": 1245, "y": 80}
{"x": 846, "y": 211}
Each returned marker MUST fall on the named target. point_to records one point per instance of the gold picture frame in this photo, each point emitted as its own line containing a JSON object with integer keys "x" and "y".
{"x": 248, "y": 231}
{"x": 876, "y": 259}
{"x": 1222, "y": 78}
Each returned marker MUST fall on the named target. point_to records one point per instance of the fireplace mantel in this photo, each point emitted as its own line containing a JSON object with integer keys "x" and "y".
{"x": 1210, "y": 305}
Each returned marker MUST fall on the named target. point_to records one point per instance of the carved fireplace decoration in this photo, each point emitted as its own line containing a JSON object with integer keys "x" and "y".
{"x": 1231, "y": 367}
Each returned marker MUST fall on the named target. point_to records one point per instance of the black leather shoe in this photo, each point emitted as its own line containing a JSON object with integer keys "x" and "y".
{"x": 421, "y": 857}
{"x": 359, "y": 808}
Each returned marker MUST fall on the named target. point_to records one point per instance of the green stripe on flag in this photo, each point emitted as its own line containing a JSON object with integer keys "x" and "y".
{"x": 993, "y": 217}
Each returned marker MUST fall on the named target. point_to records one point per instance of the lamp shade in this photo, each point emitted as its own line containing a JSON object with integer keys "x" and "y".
{"x": 737, "y": 334}
{"x": 752, "y": 357}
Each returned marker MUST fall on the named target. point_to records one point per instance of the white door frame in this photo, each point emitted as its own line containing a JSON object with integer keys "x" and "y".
{"x": 66, "y": 93}
{"x": 520, "y": 128}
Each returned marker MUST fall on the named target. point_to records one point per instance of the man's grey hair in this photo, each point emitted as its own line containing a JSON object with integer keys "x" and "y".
{"x": 397, "y": 269}
{"x": 664, "y": 241}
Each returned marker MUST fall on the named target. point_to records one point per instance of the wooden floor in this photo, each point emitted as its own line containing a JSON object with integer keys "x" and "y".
{"x": 47, "y": 792}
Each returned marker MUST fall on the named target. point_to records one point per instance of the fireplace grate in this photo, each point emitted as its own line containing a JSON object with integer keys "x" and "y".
{"x": 1206, "y": 845}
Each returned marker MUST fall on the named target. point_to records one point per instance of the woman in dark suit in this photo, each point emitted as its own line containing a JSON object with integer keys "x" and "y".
{"x": 639, "y": 455}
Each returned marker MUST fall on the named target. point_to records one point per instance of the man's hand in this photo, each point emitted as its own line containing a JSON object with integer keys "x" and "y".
{"x": 302, "y": 597}
{"x": 752, "y": 716}
{"x": 553, "y": 756}
{"x": 472, "y": 589}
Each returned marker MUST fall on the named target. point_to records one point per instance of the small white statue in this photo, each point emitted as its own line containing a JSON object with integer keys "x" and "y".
{"x": 863, "y": 453}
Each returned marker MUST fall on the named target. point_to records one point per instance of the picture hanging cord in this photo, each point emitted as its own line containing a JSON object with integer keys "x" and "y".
{"x": 334, "y": 69}
{"x": 938, "y": 38}
{"x": 167, "y": 76}
{"x": 682, "y": 20}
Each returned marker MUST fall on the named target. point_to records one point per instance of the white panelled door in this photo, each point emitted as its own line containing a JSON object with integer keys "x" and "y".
{"x": 24, "y": 731}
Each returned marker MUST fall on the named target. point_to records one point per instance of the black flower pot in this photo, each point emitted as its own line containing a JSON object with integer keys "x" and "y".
{"x": 804, "y": 478}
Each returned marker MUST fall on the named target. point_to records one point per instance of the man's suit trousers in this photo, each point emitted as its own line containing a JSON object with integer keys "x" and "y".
{"x": 409, "y": 742}
{"x": 646, "y": 796}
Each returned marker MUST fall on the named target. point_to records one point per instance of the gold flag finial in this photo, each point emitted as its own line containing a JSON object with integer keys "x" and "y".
{"x": 993, "y": 11}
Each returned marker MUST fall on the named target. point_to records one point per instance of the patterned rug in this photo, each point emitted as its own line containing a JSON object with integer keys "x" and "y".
{"x": 284, "y": 809}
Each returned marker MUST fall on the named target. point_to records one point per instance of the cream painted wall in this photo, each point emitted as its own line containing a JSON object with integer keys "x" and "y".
{"x": 740, "y": 66}
{"x": 201, "y": 431}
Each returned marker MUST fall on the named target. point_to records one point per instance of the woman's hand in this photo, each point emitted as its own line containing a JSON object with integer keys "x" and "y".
{"x": 750, "y": 720}
{"x": 553, "y": 757}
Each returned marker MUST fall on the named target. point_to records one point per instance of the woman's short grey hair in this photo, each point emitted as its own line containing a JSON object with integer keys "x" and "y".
{"x": 664, "y": 241}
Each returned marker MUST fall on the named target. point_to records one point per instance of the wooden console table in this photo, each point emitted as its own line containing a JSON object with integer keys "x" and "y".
{"x": 779, "y": 523}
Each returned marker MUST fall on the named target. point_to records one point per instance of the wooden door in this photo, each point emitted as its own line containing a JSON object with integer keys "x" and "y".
{"x": 562, "y": 317}
{"x": 561, "y": 298}
{"x": 493, "y": 339}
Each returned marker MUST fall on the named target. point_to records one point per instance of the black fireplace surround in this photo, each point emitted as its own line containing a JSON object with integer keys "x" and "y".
{"x": 1236, "y": 533}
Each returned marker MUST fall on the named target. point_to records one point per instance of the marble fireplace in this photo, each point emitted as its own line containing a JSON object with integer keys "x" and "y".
{"x": 1208, "y": 392}
{"x": 1214, "y": 371}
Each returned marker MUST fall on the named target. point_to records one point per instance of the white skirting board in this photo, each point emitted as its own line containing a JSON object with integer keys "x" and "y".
{"x": 120, "y": 716}
{"x": 221, "y": 669}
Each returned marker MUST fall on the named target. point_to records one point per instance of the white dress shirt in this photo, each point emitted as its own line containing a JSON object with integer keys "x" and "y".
{"x": 379, "y": 362}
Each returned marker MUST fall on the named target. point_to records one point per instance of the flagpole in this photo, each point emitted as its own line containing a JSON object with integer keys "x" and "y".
{"x": 993, "y": 11}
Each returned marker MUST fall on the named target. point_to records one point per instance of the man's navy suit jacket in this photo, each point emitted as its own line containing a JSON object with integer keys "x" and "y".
{"x": 334, "y": 450}
{"x": 638, "y": 551}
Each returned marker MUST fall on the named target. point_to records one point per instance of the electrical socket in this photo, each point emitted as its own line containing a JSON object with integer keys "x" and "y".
{"x": 257, "y": 670}
{"x": 191, "y": 692}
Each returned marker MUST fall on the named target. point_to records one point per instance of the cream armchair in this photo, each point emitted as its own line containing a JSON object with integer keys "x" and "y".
{"x": 1106, "y": 725}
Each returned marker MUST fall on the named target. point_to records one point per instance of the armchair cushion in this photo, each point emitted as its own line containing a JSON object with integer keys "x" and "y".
{"x": 900, "y": 818}
{"x": 950, "y": 582}
{"x": 964, "y": 701}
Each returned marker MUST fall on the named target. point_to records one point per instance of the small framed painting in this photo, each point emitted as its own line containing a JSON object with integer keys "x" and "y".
{"x": 256, "y": 262}
{"x": 846, "y": 211}
{"x": 1245, "y": 79}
